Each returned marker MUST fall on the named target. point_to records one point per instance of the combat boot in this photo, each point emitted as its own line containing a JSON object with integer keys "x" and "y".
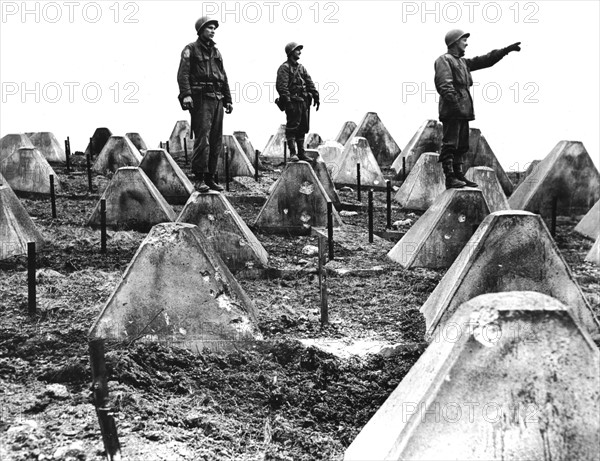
{"x": 210, "y": 182}
{"x": 301, "y": 152}
{"x": 459, "y": 174}
{"x": 293, "y": 157}
{"x": 199, "y": 184}
{"x": 451, "y": 181}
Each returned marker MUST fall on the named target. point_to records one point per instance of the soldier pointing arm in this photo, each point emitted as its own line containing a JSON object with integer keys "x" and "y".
{"x": 452, "y": 81}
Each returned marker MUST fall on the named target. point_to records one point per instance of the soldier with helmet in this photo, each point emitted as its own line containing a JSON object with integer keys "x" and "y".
{"x": 204, "y": 91}
{"x": 452, "y": 81}
{"x": 296, "y": 91}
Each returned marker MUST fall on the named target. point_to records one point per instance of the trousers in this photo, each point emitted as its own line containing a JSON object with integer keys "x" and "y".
{"x": 207, "y": 125}
{"x": 455, "y": 141}
{"x": 297, "y": 119}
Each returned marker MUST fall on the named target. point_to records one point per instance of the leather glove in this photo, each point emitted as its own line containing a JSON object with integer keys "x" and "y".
{"x": 513, "y": 47}
{"x": 316, "y": 102}
{"x": 188, "y": 103}
{"x": 228, "y": 108}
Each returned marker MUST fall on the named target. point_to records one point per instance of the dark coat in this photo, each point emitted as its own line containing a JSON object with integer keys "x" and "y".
{"x": 201, "y": 71}
{"x": 453, "y": 80}
{"x": 294, "y": 83}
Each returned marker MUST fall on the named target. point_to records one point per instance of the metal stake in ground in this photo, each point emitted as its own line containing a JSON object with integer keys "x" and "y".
{"x": 226, "y": 152}
{"x": 68, "y": 155}
{"x": 100, "y": 393}
{"x": 370, "y": 208}
{"x": 89, "y": 172}
{"x": 167, "y": 144}
{"x": 31, "y": 301}
{"x": 52, "y": 196}
{"x": 185, "y": 150}
{"x": 403, "y": 168}
{"x": 330, "y": 229}
{"x": 284, "y": 153}
{"x": 553, "y": 223}
{"x": 388, "y": 197}
{"x": 256, "y": 153}
{"x": 103, "y": 226}
{"x": 358, "y": 182}
{"x": 323, "y": 282}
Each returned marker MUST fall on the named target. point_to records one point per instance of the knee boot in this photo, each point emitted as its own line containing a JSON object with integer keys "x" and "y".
{"x": 460, "y": 175}
{"x": 209, "y": 180}
{"x": 451, "y": 181}
{"x": 293, "y": 154}
{"x": 301, "y": 152}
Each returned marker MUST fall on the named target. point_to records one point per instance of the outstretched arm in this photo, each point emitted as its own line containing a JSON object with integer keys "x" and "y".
{"x": 488, "y": 60}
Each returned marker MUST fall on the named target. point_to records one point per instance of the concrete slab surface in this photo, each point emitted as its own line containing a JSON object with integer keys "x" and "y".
{"x": 118, "y": 152}
{"x": 439, "y": 236}
{"x": 518, "y": 380}
{"x": 358, "y": 150}
{"x": 49, "y": 146}
{"x": 511, "y": 251}
{"x": 239, "y": 163}
{"x": 345, "y": 132}
{"x": 589, "y": 225}
{"x": 98, "y": 141}
{"x": 488, "y": 182}
{"x": 423, "y": 185}
{"x": 132, "y": 202}
{"x": 177, "y": 291}
{"x": 226, "y": 231}
{"x": 167, "y": 176}
{"x": 11, "y": 143}
{"x": 26, "y": 170}
{"x": 380, "y": 140}
{"x": 428, "y": 138}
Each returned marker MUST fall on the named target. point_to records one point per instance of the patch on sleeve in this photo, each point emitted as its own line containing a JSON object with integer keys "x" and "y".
{"x": 186, "y": 53}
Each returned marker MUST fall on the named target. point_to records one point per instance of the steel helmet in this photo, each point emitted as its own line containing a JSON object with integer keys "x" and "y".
{"x": 291, "y": 47}
{"x": 454, "y": 36}
{"x": 205, "y": 21}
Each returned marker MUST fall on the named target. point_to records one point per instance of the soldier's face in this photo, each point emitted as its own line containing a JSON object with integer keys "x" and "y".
{"x": 296, "y": 54}
{"x": 462, "y": 45}
{"x": 208, "y": 32}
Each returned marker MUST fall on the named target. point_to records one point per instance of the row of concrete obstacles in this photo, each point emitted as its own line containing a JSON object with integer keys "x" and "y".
{"x": 511, "y": 371}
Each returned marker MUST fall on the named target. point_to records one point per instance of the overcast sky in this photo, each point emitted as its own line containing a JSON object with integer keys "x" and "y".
{"x": 70, "y": 67}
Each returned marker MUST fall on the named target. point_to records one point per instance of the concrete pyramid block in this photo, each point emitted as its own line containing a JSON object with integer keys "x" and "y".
{"x": 511, "y": 251}
{"x": 428, "y": 138}
{"x": 594, "y": 255}
{"x": 312, "y": 141}
{"x": 567, "y": 174}
{"x": 331, "y": 153}
{"x": 239, "y": 163}
{"x": 132, "y": 202}
{"x": 530, "y": 169}
{"x": 518, "y": 380}
{"x": 11, "y": 143}
{"x": 481, "y": 154}
{"x": 439, "y": 236}
{"x": 247, "y": 147}
{"x": 26, "y": 170}
{"x": 118, "y": 152}
{"x": 98, "y": 141}
{"x": 382, "y": 144}
{"x": 227, "y": 232}
{"x": 49, "y": 146}
{"x": 177, "y": 290}
{"x": 490, "y": 186}
{"x": 273, "y": 151}
{"x": 320, "y": 169}
{"x": 589, "y": 225}
{"x": 181, "y": 131}
{"x": 137, "y": 140}
{"x": 297, "y": 203}
{"x": 423, "y": 184}
{"x": 358, "y": 150}
{"x": 344, "y": 135}
{"x": 165, "y": 174}
{"x": 16, "y": 227}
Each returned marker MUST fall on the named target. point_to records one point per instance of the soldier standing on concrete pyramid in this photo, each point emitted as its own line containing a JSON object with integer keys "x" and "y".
{"x": 452, "y": 81}
{"x": 204, "y": 91}
{"x": 296, "y": 90}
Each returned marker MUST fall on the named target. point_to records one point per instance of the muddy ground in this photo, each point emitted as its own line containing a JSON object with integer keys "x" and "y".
{"x": 299, "y": 395}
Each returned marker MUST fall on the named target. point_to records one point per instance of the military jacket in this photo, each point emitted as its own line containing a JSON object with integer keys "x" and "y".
{"x": 453, "y": 80}
{"x": 294, "y": 83}
{"x": 201, "y": 72}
